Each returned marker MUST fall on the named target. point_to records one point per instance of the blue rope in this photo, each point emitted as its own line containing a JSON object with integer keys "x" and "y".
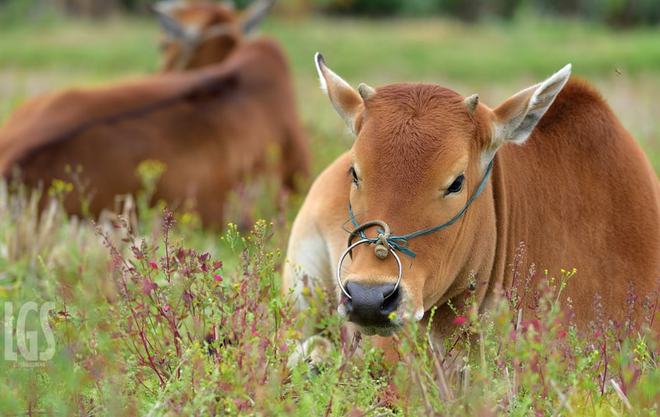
{"x": 400, "y": 242}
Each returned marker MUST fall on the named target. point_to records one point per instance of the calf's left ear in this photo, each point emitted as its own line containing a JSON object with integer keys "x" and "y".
{"x": 347, "y": 102}
{"x": 516, "y": 118}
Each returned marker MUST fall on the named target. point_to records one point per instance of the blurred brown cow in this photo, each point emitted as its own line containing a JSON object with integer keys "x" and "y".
{"x": 212, "y": 127}
{"x": 199, "y": 33}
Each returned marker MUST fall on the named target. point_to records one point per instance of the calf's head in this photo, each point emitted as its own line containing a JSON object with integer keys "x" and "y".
{"x": 421, "y": 152}
{"x": 199, "y": 33}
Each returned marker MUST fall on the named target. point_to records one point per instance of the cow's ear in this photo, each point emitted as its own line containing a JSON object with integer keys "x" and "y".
{"x": 253, "y": 16}
{"x": 346, "y": 101}
{"x": 516, "y": 118}
{"x": 164, "y": 12}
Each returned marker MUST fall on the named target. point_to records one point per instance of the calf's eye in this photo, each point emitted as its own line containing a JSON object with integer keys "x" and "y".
{"x": 354, "y": 176}
{"x": 457, "y": 185}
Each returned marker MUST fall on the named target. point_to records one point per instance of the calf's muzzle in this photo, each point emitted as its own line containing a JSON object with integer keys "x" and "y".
{"x": 371, "y": 304}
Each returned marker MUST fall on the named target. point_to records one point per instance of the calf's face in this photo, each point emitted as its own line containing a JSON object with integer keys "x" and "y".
{"x": 420, "y": 154}
{"x": 196, "y": 34}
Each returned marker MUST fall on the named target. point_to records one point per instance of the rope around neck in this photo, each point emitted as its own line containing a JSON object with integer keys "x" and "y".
{"x": 400, "y": 242}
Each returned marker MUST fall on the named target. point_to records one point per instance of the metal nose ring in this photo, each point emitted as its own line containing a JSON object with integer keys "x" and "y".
{"x": 349, "y": 249}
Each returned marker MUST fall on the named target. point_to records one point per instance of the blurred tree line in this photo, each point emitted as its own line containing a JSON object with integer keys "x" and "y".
{"x": 613, "y": 12}
{"x": 620, "y": 13}
{"x": 86, "y": 8}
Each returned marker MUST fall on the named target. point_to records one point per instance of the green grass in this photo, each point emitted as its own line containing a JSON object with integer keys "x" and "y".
{"x": 494, "y": 60}
{"x": 100, "y": 367}
{"x": 394, "y": 49}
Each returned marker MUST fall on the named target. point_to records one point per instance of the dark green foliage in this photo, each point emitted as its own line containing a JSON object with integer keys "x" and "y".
{"x": 614, "y": 12}
{"x": 371, "y": 8}
{"x": 619, "y": 13}
{"x": 622, "y": 12}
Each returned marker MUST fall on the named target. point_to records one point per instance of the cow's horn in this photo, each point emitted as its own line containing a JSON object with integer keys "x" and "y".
{"x": 365, "y": 91}
{"x": 255, "y": 14}
{"x": 472, "y": 102}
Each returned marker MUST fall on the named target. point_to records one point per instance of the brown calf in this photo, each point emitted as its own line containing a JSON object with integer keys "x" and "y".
{"x": 211, "y": 127}
{"x": 566, "y": 179}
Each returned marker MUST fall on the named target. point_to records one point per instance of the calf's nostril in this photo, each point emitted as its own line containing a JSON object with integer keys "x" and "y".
{"x": 391, "y": 301}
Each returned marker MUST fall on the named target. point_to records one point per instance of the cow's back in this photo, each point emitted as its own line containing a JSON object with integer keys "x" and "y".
{"x": 210, "y": 127}
{"x": 581, "y": 194}
{"x": 49, "y": 117}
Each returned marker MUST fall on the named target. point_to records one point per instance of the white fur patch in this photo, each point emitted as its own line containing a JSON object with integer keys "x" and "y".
{"x": 309, "y": 261}
{"x": 315, "y": 350}
{"x": 317, "y": 62}
{"x": 312, "y": 256}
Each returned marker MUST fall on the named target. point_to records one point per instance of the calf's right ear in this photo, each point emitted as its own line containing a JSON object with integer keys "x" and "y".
{"x": 347, "y": 102}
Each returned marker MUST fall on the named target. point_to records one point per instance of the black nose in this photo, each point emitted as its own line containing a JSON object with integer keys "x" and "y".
{"x": 371, "y": 304}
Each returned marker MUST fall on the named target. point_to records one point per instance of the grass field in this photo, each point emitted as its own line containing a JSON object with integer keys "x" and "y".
{"x": 125, "y": 346}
